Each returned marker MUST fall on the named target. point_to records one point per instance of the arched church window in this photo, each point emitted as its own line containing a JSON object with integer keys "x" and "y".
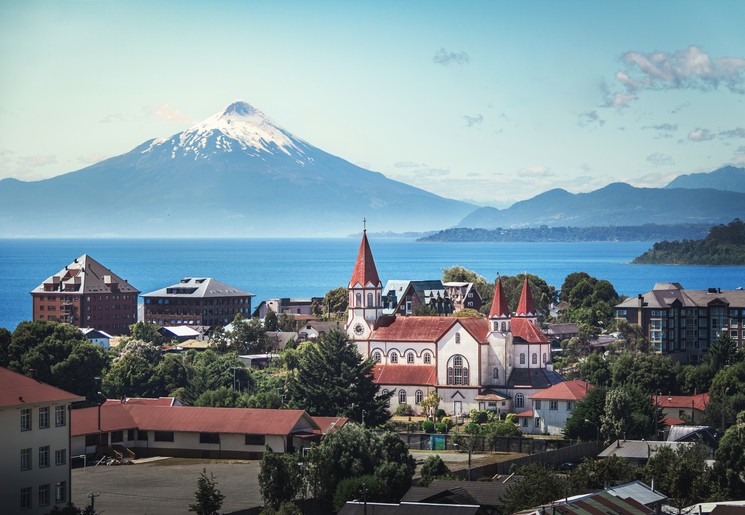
{"x": 427, "y": 358}
{"x": 377, "y": 357}
{"x": 402, "y": 396}
{"x": 457, "y": 370}
{"x": 504, "y": 327}
{"x": 418, "y": 396}
{"x": 457, "y": 337}
{"x": 522, "y": 358}
{"x": 410, "y": 357}
{"x": 358, "y": 302}
{"x": 369, "y": 300}
{"x": 394, "y": 357}
{"x": 519, "y": 400}
{"x": 534, "y": 359}
{"x": 496, "y": 325}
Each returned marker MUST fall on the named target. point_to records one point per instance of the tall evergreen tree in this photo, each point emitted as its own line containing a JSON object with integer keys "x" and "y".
{"x": 332, "y": 379}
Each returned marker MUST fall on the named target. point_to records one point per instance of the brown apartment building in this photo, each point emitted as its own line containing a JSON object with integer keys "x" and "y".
{"x": 683, "y": 323}
{"x": 87, "y": 294}
{"x": 196, "y": 301}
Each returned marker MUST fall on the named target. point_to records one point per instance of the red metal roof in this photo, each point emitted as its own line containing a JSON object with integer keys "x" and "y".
{"x": 672, "y": 421}
{"x": 144, "y": 401}
{"x": 477, "y": 327}
{"x": 499, "y": 306}
{"x": 566, "y": 391}
{"x": 698, "y": 402}
{"x": 525, "y": 306}
{"x": 426, "y": 329}
{"x": 528, "y": 413}
{"x": 17, "y": 390}
{"x": 405, "y": 374}
{"x": 526, "y": 330}
{"x": 364, "y": 268}
{"x": 326, "y": 424}
{"x": 190, "y": 419}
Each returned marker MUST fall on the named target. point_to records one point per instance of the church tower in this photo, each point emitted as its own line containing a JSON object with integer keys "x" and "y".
{"x": 499, "y": 315}
{"x": 526, "y": 306}
{"x": 365, "y": 294}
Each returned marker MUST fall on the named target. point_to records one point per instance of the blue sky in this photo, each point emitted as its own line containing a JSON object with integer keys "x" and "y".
{"x": 486, "y": 101}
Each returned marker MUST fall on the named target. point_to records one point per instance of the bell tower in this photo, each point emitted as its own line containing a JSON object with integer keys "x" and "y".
{"x": 365, "y": 293}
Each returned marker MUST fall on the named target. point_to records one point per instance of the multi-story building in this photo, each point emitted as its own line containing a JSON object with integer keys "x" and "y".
{"x": 463, "y": 295}
{"x": 288, "y": 305}
{"x": 87, "y": 294}
{"x": 404, "y": 298}
{"x": 683, "y": 323}
{"x": 35, "y": 449}
{"x": 196, "y": 301}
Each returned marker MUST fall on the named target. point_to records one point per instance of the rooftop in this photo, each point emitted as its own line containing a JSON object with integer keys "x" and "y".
{"x": 198, "y": 287}
{"x": 85, "y": 275}
{"x": 565, "y": 391}
{"x": 17, "y": 390}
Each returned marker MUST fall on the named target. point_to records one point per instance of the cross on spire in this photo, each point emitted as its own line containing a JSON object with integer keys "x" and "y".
{"x": 364, "y": 224}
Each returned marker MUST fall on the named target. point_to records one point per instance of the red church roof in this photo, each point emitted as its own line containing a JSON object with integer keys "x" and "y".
{"x": 566, "y": 391}
{"x": 499, "y": 306}
{"x": 364, "y": 269}
{"x": 19, "y": 390}
{"x": 426, "y": 329}
{"x": 405, "y": 374}
{"x": 525, "y": 329}
{"x": 525, "y": 307}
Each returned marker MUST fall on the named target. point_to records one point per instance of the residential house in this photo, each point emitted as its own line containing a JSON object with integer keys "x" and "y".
{"x": 196, "y": 301}
{"x": 486, "y": 494}
{"x": 87, "y": 294}
{"x": 315, "y": 329}
{"x": 463, "y": 295}
{"x": 682, "y": 407}
{"x": 404, "y": 298}
{"x": 637, "y": 452}
{"x": 180, "y": 333}
{"x": 462, "y": 359}
{"x": 288, "y": 305}
{"x": 35, "y": 451}
{"x": 635, "y": 498}
{"x": 101, "y": 338}
{"x": 683, "y": 323}
{"x": 553, "y": 406}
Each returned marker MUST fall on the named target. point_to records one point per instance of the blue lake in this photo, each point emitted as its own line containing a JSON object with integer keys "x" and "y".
{"x": 310, "y": 267}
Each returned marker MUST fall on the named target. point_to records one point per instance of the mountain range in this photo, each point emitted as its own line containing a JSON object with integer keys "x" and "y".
{"x": 690, "y": 199}
{"x": 235, "y": 174}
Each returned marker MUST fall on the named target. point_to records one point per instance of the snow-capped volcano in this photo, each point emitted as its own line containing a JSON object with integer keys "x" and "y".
{"x": 239, "y": 127}
{"x": 234, "y": 174}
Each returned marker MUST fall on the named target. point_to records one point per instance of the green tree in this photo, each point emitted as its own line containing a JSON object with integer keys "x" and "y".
{"x": 332, "y": 379}
{"x": 593, "y": 475}
{"x": 364, "y": 488}
{"x": 463, "y": 275}
{"x": 280, "y": 478}
{"x": 271, "y": 322}
{"x": 540, "y": 485}
{"x": 727, "y": 395}
{"x": 629, "y": 413}
{"x": 211, "y": 371}
{"x": 722, "y": 352}
{"x": 433, "y": 468}
{"x": 681, "y": 473}
{"x": 208, "y": 499}
{"x": 172, "y": 373}
{"x": 248, "y": 336}
{"x": 592, "y": 409}
{"x": 653, "y": 373}
{"x": 146, "y": 333}
{"x": 223, "y": 398}
{"x": 335, "y": 303}
{"x": 468, "y": 313}
{"x": 430, "y": 404}
{"x": 5, "y": 337}
{"x": 286, "y": 323}
{"x": 596, "y": 369}
{"x": 570, "y": 281}
{"x": 729, "y": 468}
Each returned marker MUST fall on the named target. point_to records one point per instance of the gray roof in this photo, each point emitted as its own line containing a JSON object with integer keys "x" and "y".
{"x": 562, "y": 329}
{"x": 374, "y": 508}
{"x": 199, "y": 287}
{"x": 533, "y": 377}
{"x": 637, "y": 449}
{"x": 85, "y": 275}
{"x": 485, "y": 493}
{"x": 664, "y": 294}
{"x": 638, "y": 491}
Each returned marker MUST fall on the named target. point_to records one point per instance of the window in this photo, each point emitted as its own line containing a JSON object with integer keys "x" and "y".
{"x": 59, "y": 416}
{"x": 569, "y": 406}
{"x": 163, "y": 436}
{"x": 418, "y": 396}
{"x": 117, "y": 436}
{"x": 26, "y": 498}
{"x": 495, "y": 373}
{"x": 553, "y": 405}
{"x": 44, "y": 456}
{"x": 538, "y": 422}
{"x": 377, "y": 357}
{"x": 60, "y": 492}
{"x": 43, "y": 495}
{"x": 26, "y": 419}
{"x": 44, "y": 417}
{"x": 142, "y": 435}
{"x": 427, "y": 358}
{"x": 402, "y": 396}
{"x": 60, "y": 457}
{"x": 369, "y": 300}
{"x": 457, "y": 370}
{"x": 410, "y": 357}
{"x": 457, "y": 337}
{"x": 394, "y": 357}
{"x": 358, "y": 302}
{"x": 255, "y": 439}
{"x": 209, "y": 437}
{"x": 537, "y": 404}
{"x": 544, "y": 358}
{"x": 534, "y": 359}
{"x": 519, "y": 400}
{"x": 504, "y": 327}
{"x": 26, "y": 459}
{"x": 525, "y": 421}
{"x": 522, "y": 358}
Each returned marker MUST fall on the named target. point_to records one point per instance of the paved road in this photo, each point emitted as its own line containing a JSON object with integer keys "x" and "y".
{"x": 161, "y": 489}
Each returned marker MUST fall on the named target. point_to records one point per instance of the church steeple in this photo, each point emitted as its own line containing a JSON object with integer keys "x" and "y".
{"x": 525, "y": 308}
{"x": 499, "y": 307}
{"x": 365, "y": 293}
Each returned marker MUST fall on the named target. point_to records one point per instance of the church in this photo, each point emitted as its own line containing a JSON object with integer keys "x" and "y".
{"x": 495, "y": 363}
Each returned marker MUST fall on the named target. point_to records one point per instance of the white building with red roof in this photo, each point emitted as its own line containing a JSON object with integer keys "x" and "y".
{"x": 35, "y": 449}
{"x": 552, "y": 408}
{"x": 494, "y": 363}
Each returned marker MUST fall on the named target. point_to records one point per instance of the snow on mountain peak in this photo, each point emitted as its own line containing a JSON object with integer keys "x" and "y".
{"x": 239, "y": 127}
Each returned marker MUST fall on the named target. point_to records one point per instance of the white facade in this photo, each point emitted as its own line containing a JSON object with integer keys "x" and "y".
{"x": 552, "y": 416}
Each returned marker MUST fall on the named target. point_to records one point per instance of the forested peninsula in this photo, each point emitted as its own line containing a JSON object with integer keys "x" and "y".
{"x": 724, "y": 245}
{"x": 647, "y": 232}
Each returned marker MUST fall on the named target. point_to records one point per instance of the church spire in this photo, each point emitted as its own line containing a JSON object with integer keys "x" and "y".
{"x": 499, "y": 307}
{"x": 364, "y": 268}
{"x": 525, "y": 307}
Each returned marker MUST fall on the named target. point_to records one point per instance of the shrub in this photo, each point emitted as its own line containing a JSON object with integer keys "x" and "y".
{"x": 472, "y": 428}
{"x": 367, "y": 488}
{"x": 404, "y": 410}
{"x": 433, "y": 468}
{"x": 447, "y": 421}
{"x": 428, "y": 426}
{"x": 440, "y": 413}
{"x": 479, "y": 417}
{"x": 441, "y": 427}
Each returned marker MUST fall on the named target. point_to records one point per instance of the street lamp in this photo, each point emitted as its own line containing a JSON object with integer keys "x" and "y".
{"x": 597, "y": 429}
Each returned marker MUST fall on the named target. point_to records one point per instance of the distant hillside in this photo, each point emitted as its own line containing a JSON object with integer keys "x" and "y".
{"x": 725, "y": 245}
{"x": 728, "y": 178}
{"x": 235, "y": 174}
{"x": 616, "y": 204}
{"x": 649, "y": 232}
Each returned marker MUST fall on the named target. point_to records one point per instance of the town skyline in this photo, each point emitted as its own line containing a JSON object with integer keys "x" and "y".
{"x": 488, "y": 103}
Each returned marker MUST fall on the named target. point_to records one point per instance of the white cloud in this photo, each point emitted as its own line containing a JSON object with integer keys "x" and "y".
{"x": 168, "y": 114}
{"x": 446, "y": 58}
{"x": 660, "y": 159}
{"x": 590, "y": 118}
{"x": 701, "y": 135}
{"x": 739, "y": 132}
{"x": 473, "y": 120}
{"x": 536, "y": 171}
